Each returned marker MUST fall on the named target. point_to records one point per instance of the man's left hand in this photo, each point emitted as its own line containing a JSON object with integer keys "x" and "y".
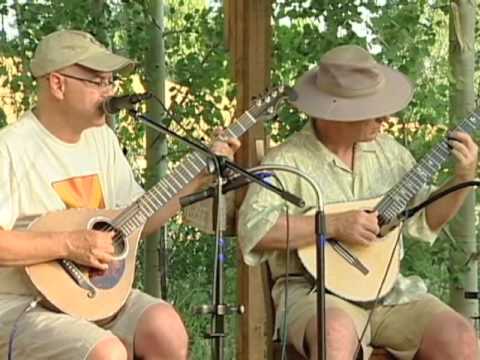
{"x": 465, "y": 151}
{"x": 224, "y": 145}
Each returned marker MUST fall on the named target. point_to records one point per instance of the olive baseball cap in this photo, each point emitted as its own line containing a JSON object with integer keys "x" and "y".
{"x": 67, "y": 47}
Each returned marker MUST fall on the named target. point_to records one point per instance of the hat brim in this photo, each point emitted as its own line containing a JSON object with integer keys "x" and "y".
{"x": 394, "y": 96}
{"x": 107, "y": 62}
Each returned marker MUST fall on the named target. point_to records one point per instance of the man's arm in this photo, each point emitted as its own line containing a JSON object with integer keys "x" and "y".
{"x": 354, "y": 227}
{"x": 87, "y": 247}
{"x": 466, "y": 152}
{"x": 19, "y": 248}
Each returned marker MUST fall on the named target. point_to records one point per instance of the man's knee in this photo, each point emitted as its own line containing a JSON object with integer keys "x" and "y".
{"x": 451, "y": 335}
{"x": 339, "y": 323}
{"x": 110, "y": 348}
{"x": 341, "y": 335}
{"x": 161, "y": 331}
{"x": 460, "y": 337}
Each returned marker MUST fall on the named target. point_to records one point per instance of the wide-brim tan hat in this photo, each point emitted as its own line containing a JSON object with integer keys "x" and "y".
{"x": 67, "y": 47}
{"x": 349, "y": 85}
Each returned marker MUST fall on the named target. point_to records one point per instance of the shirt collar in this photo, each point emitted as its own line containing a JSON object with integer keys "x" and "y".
{"x": 310, "y": 139}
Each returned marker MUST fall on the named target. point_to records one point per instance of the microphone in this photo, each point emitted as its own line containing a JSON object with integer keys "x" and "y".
{"x": 115, "y": 104}
{"x": 230, "y": 185}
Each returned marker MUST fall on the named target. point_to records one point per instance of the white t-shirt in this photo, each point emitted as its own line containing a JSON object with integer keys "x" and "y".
{"x": 40, "y": 173}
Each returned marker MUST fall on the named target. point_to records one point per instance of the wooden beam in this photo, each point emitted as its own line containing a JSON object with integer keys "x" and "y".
{"x": 250, "y": 43}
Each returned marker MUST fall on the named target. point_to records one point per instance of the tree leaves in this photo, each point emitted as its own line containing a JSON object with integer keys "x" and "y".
{"x": 409, "y": 35}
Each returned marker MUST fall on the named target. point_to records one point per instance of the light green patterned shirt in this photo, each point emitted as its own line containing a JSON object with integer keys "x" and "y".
{"x": 378, "y": 165}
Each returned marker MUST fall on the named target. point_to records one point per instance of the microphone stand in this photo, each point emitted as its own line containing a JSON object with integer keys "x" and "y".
{"x": 320, "y": 242}
{"x": 218, "y": 309}
{"x": 320, "y": 237}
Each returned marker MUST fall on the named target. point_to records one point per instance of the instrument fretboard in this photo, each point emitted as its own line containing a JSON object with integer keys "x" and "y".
{"x": 396, "y": 200}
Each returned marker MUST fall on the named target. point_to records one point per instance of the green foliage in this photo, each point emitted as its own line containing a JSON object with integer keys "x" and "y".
{"x": 409, "y": 35}
{"x": 3, "y": 118}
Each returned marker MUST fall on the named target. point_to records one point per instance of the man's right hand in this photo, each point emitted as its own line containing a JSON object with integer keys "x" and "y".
{"x": 90, "y": 247}
{"x": 355, "y": 227}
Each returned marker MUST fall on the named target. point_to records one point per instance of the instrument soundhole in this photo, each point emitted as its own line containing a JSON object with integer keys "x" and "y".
{"x": 110, "y": 278}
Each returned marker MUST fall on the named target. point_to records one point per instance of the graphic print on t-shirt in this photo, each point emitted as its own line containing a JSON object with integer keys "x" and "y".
{"x": 81, "y": 192}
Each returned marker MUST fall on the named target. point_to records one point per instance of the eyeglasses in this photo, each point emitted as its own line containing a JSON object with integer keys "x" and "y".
{"x": 100, "y": 84}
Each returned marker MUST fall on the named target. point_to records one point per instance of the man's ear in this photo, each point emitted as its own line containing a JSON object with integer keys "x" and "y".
{"x": 56, "y": 84}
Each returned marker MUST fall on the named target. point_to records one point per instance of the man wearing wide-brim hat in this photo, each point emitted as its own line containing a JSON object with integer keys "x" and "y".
{"x": 347, "y": 97}
{"x": 62, "y": 155}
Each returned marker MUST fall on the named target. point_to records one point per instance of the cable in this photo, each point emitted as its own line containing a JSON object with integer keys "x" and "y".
{"x": 287, "y": 266}
{"x": 377, "y": 298}
{"x": 408, "y": 213}
{"x": 11, "y": 339}
{"x": 284, "y": 354}
{"x": 217, "y": 286}
{"x": 320, "y": 206}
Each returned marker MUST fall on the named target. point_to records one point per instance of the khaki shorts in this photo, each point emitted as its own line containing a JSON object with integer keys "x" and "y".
{"x": 398, "y": 328}
{"x": 42, "y": 334}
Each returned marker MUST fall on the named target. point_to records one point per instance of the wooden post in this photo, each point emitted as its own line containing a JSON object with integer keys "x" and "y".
{"x": 249, "y": 39}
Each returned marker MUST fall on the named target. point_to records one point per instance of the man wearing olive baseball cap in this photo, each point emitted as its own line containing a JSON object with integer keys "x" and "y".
{"x": 62, "y": 155}
{"x": 347, "y": 97}
{"x": 75, "y": 60}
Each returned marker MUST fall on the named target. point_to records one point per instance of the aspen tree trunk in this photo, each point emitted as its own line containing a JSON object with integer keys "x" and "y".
{"x": 155, "y": 248}
{"x": 462, "y": 101}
